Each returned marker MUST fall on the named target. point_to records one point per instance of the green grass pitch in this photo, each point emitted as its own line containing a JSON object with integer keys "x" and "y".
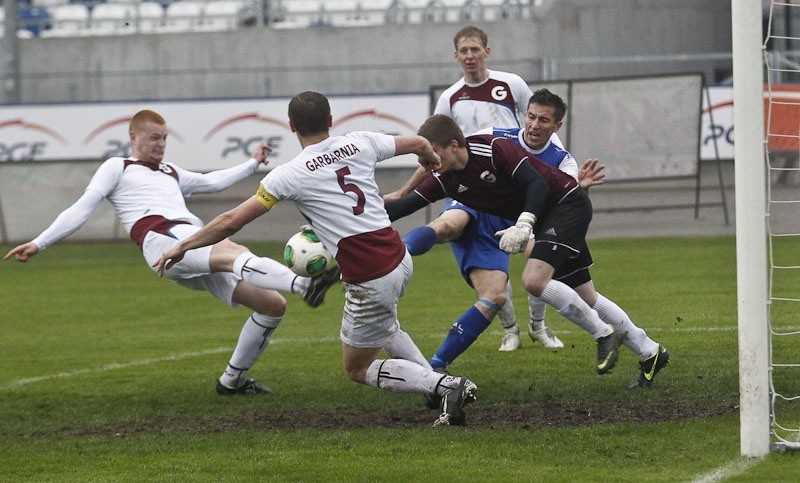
{"x": 107, "y": 374}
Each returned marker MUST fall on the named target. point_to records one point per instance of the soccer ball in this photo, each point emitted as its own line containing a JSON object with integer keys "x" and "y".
{"x": 305, "y": 255}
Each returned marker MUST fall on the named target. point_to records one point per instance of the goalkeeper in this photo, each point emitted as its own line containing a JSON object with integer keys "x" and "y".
{"x": 497, "y": 176}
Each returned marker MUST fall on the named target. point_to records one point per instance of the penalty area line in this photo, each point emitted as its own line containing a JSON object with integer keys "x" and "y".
{"x": 733, "y": 468}
{"x": 113, "y": 366}
{"x": 145, "y": 362}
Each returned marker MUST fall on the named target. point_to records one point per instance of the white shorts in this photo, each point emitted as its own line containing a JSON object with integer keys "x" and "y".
{"x": 193, "y": 271}
{"x": 370, "y": 308}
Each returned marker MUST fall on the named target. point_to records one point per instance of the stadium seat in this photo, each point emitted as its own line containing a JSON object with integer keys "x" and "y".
{"x": 183, "y": 16}
{"x": 47, "y": 3}
{"x": 374, "y": 12}
{"x": 493, "y": 10}
{"x": 112, "y": 19}
{"x": 221, "y": 14}
{"x": 69, "y": 20}
{"x": 416, "y": 11}
{"x": 25, "y": 34}
{"x": 33, "y": 20}
{"x": 300, "y": 14}
{"x": 342, "y": 13}
{"x": 150, "y": 16}
{"x": 453, "y": 11}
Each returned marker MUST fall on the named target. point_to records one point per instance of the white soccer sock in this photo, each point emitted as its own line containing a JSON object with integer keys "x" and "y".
{"x": 267, "y": 273}
{"x": 398, "y": 375}
{"x": 253, "y": 339}
{"x": 508, "y": 319}
{"x": 636, "y": 339}
{"x": 401, "y": 346}
{"x": 536, "y": 309}
{"x": 571, "y": 305}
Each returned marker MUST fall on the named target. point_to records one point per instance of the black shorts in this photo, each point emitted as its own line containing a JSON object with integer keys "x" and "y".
{"x": 561, "y": 239}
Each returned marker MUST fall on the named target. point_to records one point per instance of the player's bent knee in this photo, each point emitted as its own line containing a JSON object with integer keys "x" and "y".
{"x": 356, "y": 374}
{"x": 494, "y": 300}
{"x": 534, "y": 286}
{"x": 276, "y": 308}
{"x": 263, "y": 301}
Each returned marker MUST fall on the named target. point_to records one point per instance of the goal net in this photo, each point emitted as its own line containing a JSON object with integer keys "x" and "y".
{"x": 782, "y": 147}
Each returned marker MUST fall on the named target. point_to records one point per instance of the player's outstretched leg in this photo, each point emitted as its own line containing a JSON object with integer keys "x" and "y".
{"x": 508, "y": 319}
{"x": 315, "y": 293}
{"x": 462, "y": 334}
{"x": 652, "y": 356}
{"x": 253, "y": 339}
{"x": 398, "y": 375}
{"x": 537, "y": 329}
{"x": 402, "y": 346}
{"x": 571, "y": 305}
{"x": 453, "y": 403}
{"x": 267, "y": 273}
{"x": 420, "y": 240}
{"x": 649, "y": 367}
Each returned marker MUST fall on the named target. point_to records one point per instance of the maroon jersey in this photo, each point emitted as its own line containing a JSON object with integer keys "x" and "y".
{"x": 486, "y": 183}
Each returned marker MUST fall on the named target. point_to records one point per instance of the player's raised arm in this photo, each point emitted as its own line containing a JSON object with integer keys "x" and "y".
{"x": 427, "y": 158}
{"x": 408, "y": 186}
{"x": 420, "y": 146}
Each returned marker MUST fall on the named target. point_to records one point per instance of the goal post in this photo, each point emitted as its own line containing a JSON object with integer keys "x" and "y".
{"x": 751, "y": 227}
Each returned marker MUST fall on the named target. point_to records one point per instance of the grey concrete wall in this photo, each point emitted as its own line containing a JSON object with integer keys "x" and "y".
{"x": 573, "y": 39}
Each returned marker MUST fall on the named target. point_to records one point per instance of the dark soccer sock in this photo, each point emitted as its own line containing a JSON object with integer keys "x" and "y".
{"x": 462, "y": 334}
{"x": 420, "y": 239}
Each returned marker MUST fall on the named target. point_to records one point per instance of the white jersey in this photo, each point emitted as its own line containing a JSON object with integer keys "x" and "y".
{"x": 498, "y": 101}
{"x": 333, "y": 185}
{"x": 139, "y": 190}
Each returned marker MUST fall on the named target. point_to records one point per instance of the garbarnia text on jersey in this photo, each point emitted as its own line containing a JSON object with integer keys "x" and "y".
{"x": 328, "y": 158}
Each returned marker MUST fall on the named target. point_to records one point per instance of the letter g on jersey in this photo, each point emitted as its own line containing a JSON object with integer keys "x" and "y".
{"x": 489, "y": 177}
{"x": 499, "y": 93}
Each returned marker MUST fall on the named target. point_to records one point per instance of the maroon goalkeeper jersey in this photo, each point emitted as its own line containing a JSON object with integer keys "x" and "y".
{"x": 486, "y": 183}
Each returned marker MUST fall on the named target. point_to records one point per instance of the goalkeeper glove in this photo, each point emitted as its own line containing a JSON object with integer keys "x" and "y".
{"x": 515, "y": 238}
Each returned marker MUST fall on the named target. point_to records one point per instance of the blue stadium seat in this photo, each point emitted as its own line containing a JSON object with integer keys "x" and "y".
{"x": 34, "y": 19}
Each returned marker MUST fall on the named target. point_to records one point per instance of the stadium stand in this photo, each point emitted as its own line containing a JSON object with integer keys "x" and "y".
{"x": 183, "y": 16}
{"x": 373, "y": 12}
{"x": 32, "y": 20}
{"x": 300, "y": 14}
{"x": 48, "y": 3}
{"x": 60, "y": 18}
{"x": 71, "y": 20}
{"x": 415, "y": 11}
{"x": 453, "y": 10}
{"x": 343, "y": 13}
{"x": 221, "y": 15}
{"x": 112, "y": 19}
{"x": 150, "y": 17}
{"x": 493, "y": 10}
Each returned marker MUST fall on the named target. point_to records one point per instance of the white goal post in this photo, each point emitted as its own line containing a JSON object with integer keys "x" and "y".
{"x": 751, "y": 227}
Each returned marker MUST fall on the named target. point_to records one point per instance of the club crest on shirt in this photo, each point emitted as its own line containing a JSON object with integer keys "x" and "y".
{"x": 165, "y": 168}
{"x": 489, "y": 177}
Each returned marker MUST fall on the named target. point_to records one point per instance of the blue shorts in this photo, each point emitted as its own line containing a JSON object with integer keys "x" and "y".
{"x": 477, "y": 247}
